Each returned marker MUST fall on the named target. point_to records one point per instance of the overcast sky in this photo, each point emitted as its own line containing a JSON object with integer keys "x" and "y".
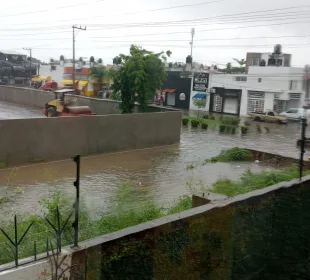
{"x": 47, "y": 28}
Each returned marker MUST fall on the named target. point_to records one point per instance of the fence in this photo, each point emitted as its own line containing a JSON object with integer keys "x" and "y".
{"x": 57, "y": 227}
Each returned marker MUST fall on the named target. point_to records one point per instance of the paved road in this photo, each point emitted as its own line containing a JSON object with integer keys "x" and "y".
{"x": 14, "y": 111}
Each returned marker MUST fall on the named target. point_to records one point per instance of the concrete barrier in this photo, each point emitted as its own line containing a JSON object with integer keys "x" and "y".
{"x": 38, "y": 98}
{"x": 44, "y": 139}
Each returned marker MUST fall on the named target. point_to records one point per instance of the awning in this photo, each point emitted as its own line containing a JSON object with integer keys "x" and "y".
{"x": 200, "y": 96}
{"x": 68, "y": 82}
{"x": 83, "y": 83}
{"x": 40, "y": 78}
{"x": 167, "y": 90}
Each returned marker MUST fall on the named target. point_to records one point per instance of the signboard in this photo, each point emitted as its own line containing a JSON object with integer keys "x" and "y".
{"x": 201, "y": 82}
{"x": 182, "y": 96}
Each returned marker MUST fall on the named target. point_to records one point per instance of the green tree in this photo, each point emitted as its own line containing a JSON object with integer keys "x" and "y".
{"x": 61, "y": 58}
{"x": 200, "y": 103}
{"x": 100, "y": 61}
{"x": 117, "y": 60}
{"x": 141, "y": 73}
{"x": 92, "y": 59}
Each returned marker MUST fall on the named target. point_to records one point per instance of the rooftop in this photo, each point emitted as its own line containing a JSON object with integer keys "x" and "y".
{"x": 11, "y": 52}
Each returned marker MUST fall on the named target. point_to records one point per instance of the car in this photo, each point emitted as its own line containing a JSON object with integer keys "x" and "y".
{"x": 268, "y": 116}
{"x": 295, "y": 113}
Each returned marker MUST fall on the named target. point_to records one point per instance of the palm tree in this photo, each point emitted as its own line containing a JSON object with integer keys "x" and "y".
{"x": 99, "y": 74}
{"x": 241, "y": 62}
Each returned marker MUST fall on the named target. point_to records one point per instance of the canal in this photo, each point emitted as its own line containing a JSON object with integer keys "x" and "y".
{"x": 162, "y": 171}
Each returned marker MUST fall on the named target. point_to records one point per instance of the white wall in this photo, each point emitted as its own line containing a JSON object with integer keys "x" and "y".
{"x": 45, "y": 70}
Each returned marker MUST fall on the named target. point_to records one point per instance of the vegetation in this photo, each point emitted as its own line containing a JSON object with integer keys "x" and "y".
{"x": 122, "y": 215}
{"x": 200, "y": 103}
{"x": 100, "y": 61}
{"x": 244, "y": 129}
{"x": 233, "y": 154}
{"x": 205, "y": 117}
{"x": 92, "y": 59}
{"x": 204, "y": 125}
{"x": 140, "y": 74}
{"x": 185, "y": 120}
{"x": 195, "y": 123}
{"x": 230, "y": 121}
{"x": 250, "y": 181}
{"x": 61, "y": 58}
{"x": 100, "y": 74}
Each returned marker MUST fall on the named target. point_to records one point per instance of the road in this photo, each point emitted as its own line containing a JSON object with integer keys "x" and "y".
{"x": 14, "y": 111}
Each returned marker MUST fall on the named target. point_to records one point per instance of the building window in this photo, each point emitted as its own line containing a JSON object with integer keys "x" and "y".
{"x": 293, "y": 85}
{"x": 240, "y": 79}
{"x": 256, "y": 61}
{"x": 295, "y": 96}
{"x": 259, "y": 80}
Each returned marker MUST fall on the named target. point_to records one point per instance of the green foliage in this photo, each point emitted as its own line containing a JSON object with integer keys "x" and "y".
{"x": 234, "y": 154}
{"x": 99, "y": 73}
{"x": 222, "y": 128}
{"x": 141, "y": 73}
{"x": 185, "y": 120}
{"x": 230, "y": 121}
{"x": 212, "y": 118}
{"x": 204, "y": 125}
{"x": 200, "y": 103}
{"x": 100, "y": 61}
{"x": 115, "y": 96}
{"x": 2, "y": 165}
{"x": 205, "y": 117}
{"x": 195, "y": 123}
{"x": 244, "y": 129}
{"x": 250, "y": 181}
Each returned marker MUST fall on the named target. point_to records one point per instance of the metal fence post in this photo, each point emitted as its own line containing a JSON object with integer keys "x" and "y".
{"x": 302, "y": 145}
{"x": 75, "y": 224}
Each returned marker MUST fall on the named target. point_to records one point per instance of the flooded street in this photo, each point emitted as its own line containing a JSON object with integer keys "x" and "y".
{"x": 13, "y": 111}
{"x": 161, "y": 171}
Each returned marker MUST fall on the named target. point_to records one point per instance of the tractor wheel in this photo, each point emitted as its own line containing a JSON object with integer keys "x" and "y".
{"x": 51, "y": 112}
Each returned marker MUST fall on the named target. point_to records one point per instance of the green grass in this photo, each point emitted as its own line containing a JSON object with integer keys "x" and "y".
{"x": 233, "y": 154}
{"x": 125, "y": 209}
{"x": 250, "y": 181}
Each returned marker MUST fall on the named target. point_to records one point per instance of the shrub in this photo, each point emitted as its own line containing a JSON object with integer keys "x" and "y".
{"x": 233, "y": 130}
{"x": 212, "y": 118}
{"x": 204, "y": 125}
{"x": 195, "y": 123}
{"x": 230, "y": 121}
{"x": 222, "y": 128}
{"x": 185, "y": 121}
{"x": 205, "y": 117}
{"x": 228, "y": 128}
{"x": 244, "y": 129}
{"x": 233, "y": 154}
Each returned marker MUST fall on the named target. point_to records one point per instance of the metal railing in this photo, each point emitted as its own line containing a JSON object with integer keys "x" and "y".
{"x": 56, "y": 229}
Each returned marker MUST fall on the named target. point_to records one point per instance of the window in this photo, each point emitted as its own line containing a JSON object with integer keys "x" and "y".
{"x": 295, "y": 96}
{"x": 260, "y": 80}
{"x": 293, "y": 85}
{"x": 292, "y": 111}
{"x": 240, "y": 79}
{"x": 255, "y": 61}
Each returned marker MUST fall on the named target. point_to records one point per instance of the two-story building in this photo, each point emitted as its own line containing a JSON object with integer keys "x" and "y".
{"x": 271, "y": 84}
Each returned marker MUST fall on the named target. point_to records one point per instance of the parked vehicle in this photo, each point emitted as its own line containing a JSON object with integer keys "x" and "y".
{"x": 295, "y": 113}
{"x": 269, "y": 116}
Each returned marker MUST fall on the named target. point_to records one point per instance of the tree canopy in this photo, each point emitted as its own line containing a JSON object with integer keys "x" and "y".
{"x": 141, "y": 73}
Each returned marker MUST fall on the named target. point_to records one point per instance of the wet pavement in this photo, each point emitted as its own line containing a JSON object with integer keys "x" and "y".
{"x": 161, "y": 172}
{"x": 13, "y": 111}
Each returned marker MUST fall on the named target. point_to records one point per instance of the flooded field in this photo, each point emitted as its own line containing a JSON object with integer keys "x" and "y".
{"x": 162, "y": 171}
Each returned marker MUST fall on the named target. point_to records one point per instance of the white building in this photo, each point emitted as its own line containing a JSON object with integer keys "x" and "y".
{"x": 263, "y": 88}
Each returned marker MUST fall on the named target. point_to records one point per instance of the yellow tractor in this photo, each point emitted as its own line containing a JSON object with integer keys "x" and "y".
{"x": 62, "y": 105}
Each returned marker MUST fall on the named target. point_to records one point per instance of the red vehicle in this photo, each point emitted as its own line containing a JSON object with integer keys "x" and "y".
{"x": 63, "y": 106}
{"x": 50, "y": 86}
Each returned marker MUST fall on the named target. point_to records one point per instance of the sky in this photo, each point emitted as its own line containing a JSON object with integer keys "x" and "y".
{"x": 224, "y": 29}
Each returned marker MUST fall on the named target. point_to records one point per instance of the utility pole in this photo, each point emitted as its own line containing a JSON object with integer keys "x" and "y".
{"x": 73, "y": 65}
{"x": 192, "y": 42}
{"x": 30, "y": 74}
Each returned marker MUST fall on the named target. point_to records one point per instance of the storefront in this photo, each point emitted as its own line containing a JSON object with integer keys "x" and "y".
{"x": 225, "y": 101}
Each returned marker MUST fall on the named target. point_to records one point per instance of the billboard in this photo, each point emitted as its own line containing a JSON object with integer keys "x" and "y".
{"x": 201, "y": 82}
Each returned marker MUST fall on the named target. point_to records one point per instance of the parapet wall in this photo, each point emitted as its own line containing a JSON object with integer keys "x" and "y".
{"x": 38, "y": 98}
{"x": 43, "y": 139}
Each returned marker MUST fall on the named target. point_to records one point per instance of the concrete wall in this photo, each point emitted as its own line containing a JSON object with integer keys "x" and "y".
{"x": 42, "y": 139}
{"x": 38, "y": 98}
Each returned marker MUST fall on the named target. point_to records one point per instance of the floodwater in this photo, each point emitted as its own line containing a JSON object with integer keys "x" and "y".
{"x": 13, "y": 111}
{"x": 162, "y": 172}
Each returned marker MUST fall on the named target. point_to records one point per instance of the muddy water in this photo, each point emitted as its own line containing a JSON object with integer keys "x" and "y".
{"x": 13, "y": 111}
{"x": 161, "y": 171}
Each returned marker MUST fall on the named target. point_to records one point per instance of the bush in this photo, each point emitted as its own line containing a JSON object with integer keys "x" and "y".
{"x": 195, "y": 123}
{"x": 244, "y": 129}
{"x": 185, "y": 121}
{"x": 228, "y": 128}
{"x": 204, "y": 125}
{"x": 212, "y": 118}
{"x": 233, "y": 154}
{"x": 205, "y": 117}
{"x": 222, "y": 128}
{"x": 230, "y": 121}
